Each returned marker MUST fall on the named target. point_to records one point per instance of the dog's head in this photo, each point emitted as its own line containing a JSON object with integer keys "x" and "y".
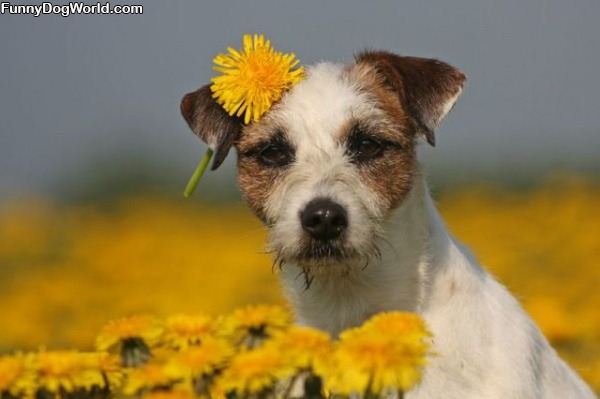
{"x": 326, "y": 165}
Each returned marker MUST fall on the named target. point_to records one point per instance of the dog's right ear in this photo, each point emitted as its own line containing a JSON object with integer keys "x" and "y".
{"x": 209, "y": 121}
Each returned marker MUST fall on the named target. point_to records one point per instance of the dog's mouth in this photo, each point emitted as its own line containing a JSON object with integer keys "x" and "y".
{"x": 324, "y": 258}
{"x": 322, "y": 251}
{"x": 322, "y": 254}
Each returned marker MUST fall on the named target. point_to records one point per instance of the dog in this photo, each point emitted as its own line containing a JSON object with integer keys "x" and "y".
{"x": 331, "y": 170}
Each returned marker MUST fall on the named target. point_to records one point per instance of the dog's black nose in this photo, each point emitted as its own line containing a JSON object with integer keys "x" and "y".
{"x": 323, "y": 219}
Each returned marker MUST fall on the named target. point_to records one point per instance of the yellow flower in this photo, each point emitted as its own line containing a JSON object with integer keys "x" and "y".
{"x": 253, "y": 78}
{"x": 303, "y": 348}
{"x": 197, "y": 366}
{"x": 198, "y": 360}
{"x": 110, "y": 366}
{"x": 116, "y": 331}
{"x": 252, "y": 324}
{"x": 254, "y": 371}
{"x": 132, "y": 337}
{"x": 147, "y": 377}
{"x": 182, "y": 331}
{"x": 65, "y": 370}
{"x": 170, "y": 394}
{"x": 15, "y": 380}
{"x": 401, "y": 324}
{"x": 373, "y": 360}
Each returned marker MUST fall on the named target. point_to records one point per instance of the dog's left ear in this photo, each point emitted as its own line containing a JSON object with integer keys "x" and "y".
{"x": 209, "y": 121}
{"x": 428, "y": 88}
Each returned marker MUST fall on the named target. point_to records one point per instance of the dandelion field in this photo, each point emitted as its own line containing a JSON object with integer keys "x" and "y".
{"x": 67, "y": 270}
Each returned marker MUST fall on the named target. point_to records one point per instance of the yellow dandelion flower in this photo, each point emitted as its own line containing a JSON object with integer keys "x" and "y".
{"x": 252, "y": 324}
{"x": 369, "y": 360}
{"x": 400, "y": 324}
{"x": 304, "y": 348}
{"x": 254, "y": 371}
{"x": 147, "y": 377}
{"x": 182, "y": 331}
{"x": 197, "y": 366}
{"x": 132, "y": 337}
{"x": 253, "y": 78}
{"x": 65, "y": 370}
{"x": 203, "y": 359}
{"x": 15, "y": 379}
{"x": 110, "y": 367}
{"x": 114, "y": 332}
{"x": 170, "y": 394}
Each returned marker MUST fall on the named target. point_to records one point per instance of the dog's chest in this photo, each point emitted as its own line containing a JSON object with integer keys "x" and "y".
{"x": 335, "y": 304}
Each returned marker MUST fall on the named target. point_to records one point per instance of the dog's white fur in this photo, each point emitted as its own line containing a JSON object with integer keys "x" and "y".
{"x": 485, "y": 346}
{"x": 313, "y": 110}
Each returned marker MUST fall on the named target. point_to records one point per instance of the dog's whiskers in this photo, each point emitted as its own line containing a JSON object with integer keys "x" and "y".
{"x": 308, "y": 279}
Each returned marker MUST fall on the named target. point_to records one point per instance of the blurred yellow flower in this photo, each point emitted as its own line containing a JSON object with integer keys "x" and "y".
{"x": 254, "y": 371}
{"x": 115, "y": 332}
{"x": 195, "y": 361}
{"x": 15, "y": 379}
{"x": 170, "y": 394}
{"x": 553, "y": 318}
{"x": 252, "y": 324}
{"x": 146, "y": 378}
{"x": 303, "y": 348}
{"x": 254, "y": 78}
{"x": 371, "y": 361}
{"x": 182, "y": 331}
{"x": 110, "y": 367}
{"x": 131, "y": 337}
{"x": 65, "y": 370}
{"x": 402, "y": 325}
{"x": 198, "y": 366}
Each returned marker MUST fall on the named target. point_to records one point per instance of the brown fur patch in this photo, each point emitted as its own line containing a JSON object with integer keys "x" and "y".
{"x": 256, "y": 181}
{"x": 423, "y": 85}
{"x": 257, "y": 133}
{"x": 391, "y": 175}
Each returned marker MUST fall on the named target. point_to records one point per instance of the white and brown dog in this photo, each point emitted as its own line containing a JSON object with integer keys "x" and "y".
{"x": 331, "y": 170}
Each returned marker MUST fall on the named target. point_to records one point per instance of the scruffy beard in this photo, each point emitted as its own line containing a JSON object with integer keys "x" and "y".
{"x": 324, "y": 260}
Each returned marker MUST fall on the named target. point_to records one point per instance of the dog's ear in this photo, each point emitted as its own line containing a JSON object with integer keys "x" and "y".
{"x": 209, "y": 121}
{"x": 428, "y": 88}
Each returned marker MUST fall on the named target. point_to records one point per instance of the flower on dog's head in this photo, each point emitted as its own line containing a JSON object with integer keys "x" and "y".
{"x": 254, "y": 78}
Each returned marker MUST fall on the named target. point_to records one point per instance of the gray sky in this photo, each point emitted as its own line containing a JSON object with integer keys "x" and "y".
{"x": 86, "y": 90}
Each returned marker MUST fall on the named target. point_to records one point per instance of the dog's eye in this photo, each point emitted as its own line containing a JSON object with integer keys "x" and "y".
{"x": 363, "y": 148}
{"x": 368, "y": 148}
{"x": 275, "y": 155}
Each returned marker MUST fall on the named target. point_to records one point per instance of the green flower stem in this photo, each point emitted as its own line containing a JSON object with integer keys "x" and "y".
{"x": 193, "y": 182}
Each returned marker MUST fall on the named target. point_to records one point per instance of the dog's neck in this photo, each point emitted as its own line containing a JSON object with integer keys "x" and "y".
{"x": 415, "y": 248}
